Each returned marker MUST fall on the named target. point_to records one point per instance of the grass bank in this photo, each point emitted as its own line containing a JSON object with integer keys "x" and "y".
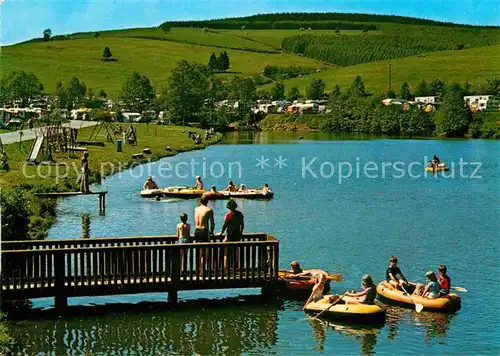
{"x": 21, "y": 182}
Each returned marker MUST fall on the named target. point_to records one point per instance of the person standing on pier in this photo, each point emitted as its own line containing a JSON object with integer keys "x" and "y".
{"x": 234, "y": 223}
{"x": 204, "y": 226}
{"x": 84, "y": 182}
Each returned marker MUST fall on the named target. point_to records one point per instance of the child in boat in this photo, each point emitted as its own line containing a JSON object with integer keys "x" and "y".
{"x": 393, "y": 275}
{"x": 265, "y": 188}
{"x": 366, "y": 296}
{"x": 242, "y": 188}
{"x": 431, "y": 291}
{"x": 231, "y": 187}
{"x": 295, "y": 265}
{"x": 317, "y": 291}
{"x": 443, "y": 280}
{"x": 183, "y": 229}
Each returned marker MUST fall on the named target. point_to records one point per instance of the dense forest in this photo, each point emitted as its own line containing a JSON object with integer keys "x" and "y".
{"x": 283, "y": 25}
{"x": 399, "y": 42}
{"x": 269, "y": 19}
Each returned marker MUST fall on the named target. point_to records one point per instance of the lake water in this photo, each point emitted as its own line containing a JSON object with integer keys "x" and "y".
{"x": 322, "y": 218}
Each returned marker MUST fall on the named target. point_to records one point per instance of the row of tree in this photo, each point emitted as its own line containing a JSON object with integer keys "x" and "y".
{"x": 219, "y": 64}
{"x": 312, "y": 17}
{"x": 394, "y": 43}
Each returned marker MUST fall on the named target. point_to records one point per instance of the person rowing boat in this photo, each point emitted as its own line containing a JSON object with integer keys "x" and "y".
{"x": 150, "y": 184}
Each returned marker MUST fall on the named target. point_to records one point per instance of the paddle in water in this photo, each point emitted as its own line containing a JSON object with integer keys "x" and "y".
{"x": 331, "y": 305}
{"x": 418, "y": 307}
{"x": 460, "y": 289}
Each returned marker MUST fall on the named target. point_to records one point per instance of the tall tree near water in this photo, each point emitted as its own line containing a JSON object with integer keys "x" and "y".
{"x": 75, "y": 93}
{"x": 293, "y": 94}
{"x": 452, "y": 118}
{"x": 242, "y": 90}
{"x": 404, "y": 93}
{"x": 421, "y": 89}
{"x": 316, "y": 90}
{"x": 19, "y": 85}
{"x": 137, "y": 92}
{"x": 357, "y": 89}
{"x": 187, "y": 90}
{"x": 278, "y": 91}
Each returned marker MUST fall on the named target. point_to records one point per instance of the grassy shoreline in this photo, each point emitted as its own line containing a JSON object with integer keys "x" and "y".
{"x": 103, "y": 161}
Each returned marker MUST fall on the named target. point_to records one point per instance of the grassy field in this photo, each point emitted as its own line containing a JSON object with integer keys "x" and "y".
{"x": 82, "y": 58}
{"x": 154, "y": 137}
{"x": 251, "y": 40}
{"x": 196, "y": 36}
{"x": 475, "y": 65}
{"x": 273, "y": 38}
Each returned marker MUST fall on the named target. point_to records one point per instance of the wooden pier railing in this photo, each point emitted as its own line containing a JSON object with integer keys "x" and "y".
{"x": 65, "y": 268}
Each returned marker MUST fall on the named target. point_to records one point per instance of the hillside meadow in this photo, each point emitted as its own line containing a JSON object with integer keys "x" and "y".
{"x": 472, "y": 65}
{"x": 60, "y": 60}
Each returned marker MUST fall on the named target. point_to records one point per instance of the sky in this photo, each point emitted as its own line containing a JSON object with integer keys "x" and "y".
{"x": 21, "y": 20}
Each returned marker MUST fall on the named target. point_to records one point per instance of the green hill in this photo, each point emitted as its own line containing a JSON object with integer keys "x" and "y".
{"x": 472, "y": 65}
{"x": 154, "y": 58}
{"x": 472, "y": 52}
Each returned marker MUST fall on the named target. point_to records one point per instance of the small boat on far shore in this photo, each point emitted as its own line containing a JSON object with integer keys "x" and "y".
{"x": 441, "y": 167}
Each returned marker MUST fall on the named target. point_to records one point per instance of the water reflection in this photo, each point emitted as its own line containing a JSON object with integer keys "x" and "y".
{"x": 435, "y": 324}
{"x": 150, "y": 328}
{"x": 366, "y": 335}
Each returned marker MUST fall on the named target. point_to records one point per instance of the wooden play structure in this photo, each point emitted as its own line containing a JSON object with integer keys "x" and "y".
{"x": 54, "y": 139}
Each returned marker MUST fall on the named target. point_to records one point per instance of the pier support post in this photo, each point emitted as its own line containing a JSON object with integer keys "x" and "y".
{"x": 102, "y": 203}
{"x": 60, "y": 300}
{"x": 61, "y": 303}
{"x": 172, "y": 297}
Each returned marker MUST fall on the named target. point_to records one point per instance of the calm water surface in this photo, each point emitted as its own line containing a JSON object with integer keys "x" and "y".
{"x": 352, "y": 228}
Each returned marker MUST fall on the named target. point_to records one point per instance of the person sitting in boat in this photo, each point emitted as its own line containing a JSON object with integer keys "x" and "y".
{"x": 295, "y": 265}
{"x": 213, "y": 189}
{"x": 231, "y": 187}
{"x": 393, "y": 275}
{"x": 317, "y": 291}
{"x": 242, "y": 188}
{"x": 150, "y": 184}
{"x": 265, "y": 188}
{"x": 366, "y": 296}
{"x": 431, "y": 291}
{"x": 443, "y": 280}
{"x": 436, "y": 160}
{"x": 199, "y": 183}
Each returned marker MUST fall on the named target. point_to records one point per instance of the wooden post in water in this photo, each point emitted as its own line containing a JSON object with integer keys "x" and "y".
{"x": 60, "y": 300}
{"x": 175, "y": 258}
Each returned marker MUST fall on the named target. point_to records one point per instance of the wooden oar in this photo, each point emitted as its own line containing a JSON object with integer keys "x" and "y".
{"x": 460, "y": 289}
{"x": 337, "y": 277}
{"x": 418, "y": 307}
{"x": 331, "y": 305}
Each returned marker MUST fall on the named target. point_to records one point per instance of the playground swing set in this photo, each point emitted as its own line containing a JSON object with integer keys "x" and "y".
{"x": 54, "y": 139}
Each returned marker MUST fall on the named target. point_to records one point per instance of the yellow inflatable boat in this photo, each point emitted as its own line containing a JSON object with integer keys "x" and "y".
{"x": 440, "y": 168}
{"x": 358, "y": 313}
{"x": 190, "y": 193}
{"x": 390, "y": 295}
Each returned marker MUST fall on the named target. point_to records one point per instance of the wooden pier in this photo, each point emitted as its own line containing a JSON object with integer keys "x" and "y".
{"x": 63, "y": 268}
{"x": 102, "y": 197}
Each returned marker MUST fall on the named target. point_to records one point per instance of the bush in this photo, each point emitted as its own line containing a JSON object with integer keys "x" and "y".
{"x": 15, "y": 215}
{"x": 6, "y": 341}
